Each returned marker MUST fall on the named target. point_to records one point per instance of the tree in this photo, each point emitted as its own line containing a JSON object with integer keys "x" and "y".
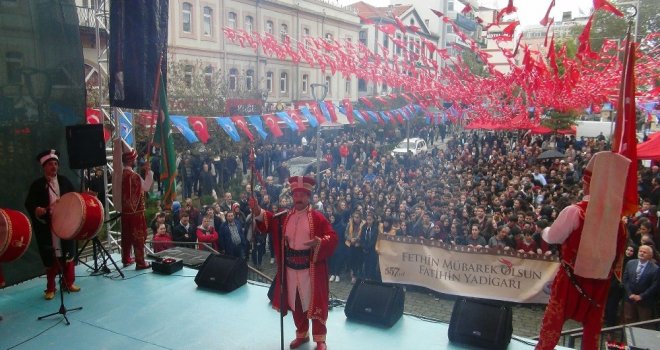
{"x": 556, "y": 120}
{"x": 474, "y": 64}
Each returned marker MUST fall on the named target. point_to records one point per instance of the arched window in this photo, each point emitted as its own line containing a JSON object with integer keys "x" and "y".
{"x": 249, "y": 24}
{"x": 13, "y": 64}
{"x": 284, "y": 82}
{"x": 208, "y": 21}
{"x": 306, "y": 37}
{"x": 231, "y": 20}
{"x": 186, "y": 17}
{"x": 233, "y": 79}
{"x": 305, "y": 83}
{"x": 328, "y": 83}
{"x": 269, "y": 81}
{"x": 188, "y": 75}
{"x": 249, "y": 79}
{"x": 284, "y": 31}
{"x": 208, "y": 76}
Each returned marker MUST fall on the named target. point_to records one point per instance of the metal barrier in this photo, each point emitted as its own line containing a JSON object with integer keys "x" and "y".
{"x": 616, "y": 333}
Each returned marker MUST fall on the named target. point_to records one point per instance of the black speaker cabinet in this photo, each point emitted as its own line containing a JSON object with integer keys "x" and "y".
{"x": 376, "y": 303}
{"x": 482, "y": 323}
{"x": 85, "y": 146}
{"x": 222, "y": 272}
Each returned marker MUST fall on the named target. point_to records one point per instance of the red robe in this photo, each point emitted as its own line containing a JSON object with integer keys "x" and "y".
{"x": 566, "y": 302}
{"x": 321, "y": 228}
{"x": 133, "y": 221}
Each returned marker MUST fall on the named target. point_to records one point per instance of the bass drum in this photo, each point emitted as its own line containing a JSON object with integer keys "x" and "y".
{"x": 15, "y": 234}
{"x": 77, "y": 216}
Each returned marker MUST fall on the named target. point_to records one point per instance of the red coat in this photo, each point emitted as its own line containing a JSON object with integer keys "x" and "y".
{"x": 162, "y": 242}
{"x": 133, "y": 221}
{"x": 321, "y": 228}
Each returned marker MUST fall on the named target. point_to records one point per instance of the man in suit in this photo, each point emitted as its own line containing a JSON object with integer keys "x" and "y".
{"x": 56, "y": 254}
{"x": 232, "y": 237}
{"x": 184, "y": 231}
{"x": 640, "y": 281}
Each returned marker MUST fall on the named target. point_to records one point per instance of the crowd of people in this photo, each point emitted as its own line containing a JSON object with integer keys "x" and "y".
{"x": 480, "y": 189}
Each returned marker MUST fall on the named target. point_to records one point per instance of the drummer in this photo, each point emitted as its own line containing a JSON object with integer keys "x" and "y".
{"x": 56, "y": 254}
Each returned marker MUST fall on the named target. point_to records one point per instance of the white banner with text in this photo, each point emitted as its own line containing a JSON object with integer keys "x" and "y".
{"x": 460, "y": 270}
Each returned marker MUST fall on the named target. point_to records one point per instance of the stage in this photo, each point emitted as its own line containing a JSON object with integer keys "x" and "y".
{"x": 151, "y": 311}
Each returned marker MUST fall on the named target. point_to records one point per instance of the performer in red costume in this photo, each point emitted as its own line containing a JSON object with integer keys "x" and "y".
{"x": 133, "y": 221}
{"x": 304, "y": 246}
{"x": 593, "y": 239}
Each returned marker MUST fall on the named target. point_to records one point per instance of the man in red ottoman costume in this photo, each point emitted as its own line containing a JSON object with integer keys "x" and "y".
{"x": 305, "y": 244}
{"x": 593, "y": 239}
{"x": 133, "y": 221}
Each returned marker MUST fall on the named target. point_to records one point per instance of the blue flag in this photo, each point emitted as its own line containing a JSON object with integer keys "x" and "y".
{"x": 373, "y": 116}
{"x": 385, "y": 117}
{"x": 287, "y": 119}
{"x": 311, "y": 119}
{"x": 324, "y": 110}
{"x": 228, "y": 126}
{"x": 181, "y": 123}
{"x": 255, "y": 120}
{"x": 126, "y": 128}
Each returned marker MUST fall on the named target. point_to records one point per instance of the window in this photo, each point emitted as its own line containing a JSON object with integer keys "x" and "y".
{"x": 398, "y": 47}
{"x": 249, "y": 24}
{"x": 188, "y": 75}
{"x": 269, "y": 27}
{"x": 305, "y": 83}
{"x": 208, "y": 24}
{"x": 284, "y": 29}
{"x": 386, "y": 41}
{"x": 412, "y": 22}
{"x": 284, "y": 80}
{"x": 231, "y": 20}
{"x": 306, "y": 37}
{"x": 347, "y": 87}
{"x": 249, "y": 79}
{"x": 450, "y": 5}
{"x": 328, "y": 83}
{"x": 362, "y": 85}
{"x": 187, "y": 17}
{"x": 329, "y": 36}
{"x": 208, "y": 76}
{"x": 14, "y": 63}
{"x": 450, "y": 29}
{"x": 233, "y": 78}
{"x": 362, "y": 37}
{"x": 269, "y": 81}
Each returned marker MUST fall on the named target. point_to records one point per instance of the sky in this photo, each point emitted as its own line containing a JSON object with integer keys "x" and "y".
{"x": 530, "y": 12}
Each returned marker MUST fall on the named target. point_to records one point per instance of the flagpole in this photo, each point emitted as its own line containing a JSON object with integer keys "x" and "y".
{"x": 155, "y": 103}
{"x": 615, "y": 143}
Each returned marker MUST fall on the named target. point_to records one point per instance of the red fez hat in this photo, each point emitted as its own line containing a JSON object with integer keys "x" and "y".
{"x": 129, "y": 156}
{"x": 302, "y": 183}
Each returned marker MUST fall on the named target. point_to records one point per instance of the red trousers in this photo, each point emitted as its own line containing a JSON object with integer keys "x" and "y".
{"x": 302, "y": 323}
{"x": 129, "y": 244}
{"x": 68, "y": 274}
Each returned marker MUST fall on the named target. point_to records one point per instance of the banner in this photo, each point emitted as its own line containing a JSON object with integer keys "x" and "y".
{"x": 466, "y": 271}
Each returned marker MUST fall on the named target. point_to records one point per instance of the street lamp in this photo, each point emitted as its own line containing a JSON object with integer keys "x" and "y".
{"x": 319, "y": 100}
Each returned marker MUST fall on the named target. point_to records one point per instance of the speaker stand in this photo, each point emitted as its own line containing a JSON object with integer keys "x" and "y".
{"x": 63, "y": 309}
{"x": 99, "y": 252}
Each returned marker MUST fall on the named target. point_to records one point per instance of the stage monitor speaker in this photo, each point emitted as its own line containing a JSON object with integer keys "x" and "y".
{"x": 85, "y": 146}
{"x": 375, "y": 303}
{"x": 482, "y": 323}
{"x": 222, "y": 272}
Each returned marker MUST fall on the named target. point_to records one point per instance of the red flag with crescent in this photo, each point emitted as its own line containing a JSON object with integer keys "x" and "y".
{"x": 314, "y": 107}
{"x": 95, "y": 116}
{"x": 271, "y": 121}
{"x": 348, "y": 107}
{"x": 240, "y": 123}
{"x": 331, "y": 110}
{"x": 198, "y": 124}
{"x": 295, "y": 115}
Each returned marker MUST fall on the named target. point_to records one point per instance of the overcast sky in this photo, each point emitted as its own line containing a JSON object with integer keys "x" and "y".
{"x": 530, "y": 12}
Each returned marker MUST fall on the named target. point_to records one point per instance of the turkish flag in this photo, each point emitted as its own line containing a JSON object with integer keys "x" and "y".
{"x": 607, "y": 6}
{"x": 331, "y": 110}
{"x": 545, "y": 19}
{"x": 295, "y": 115}
{"x": 94, "y": 116}
{"x": 624, "y": 138}
{"x": 271, "y": 121}
{"x": 348, "y": 107}
{"x": 317, "y": 113}
{"x": 466, "y": 9}
{"x": 240, "y": 123}
{"x": 198, "y": 124}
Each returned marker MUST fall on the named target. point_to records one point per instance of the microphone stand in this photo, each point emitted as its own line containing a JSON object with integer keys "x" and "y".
{"x": 62, "y": 310}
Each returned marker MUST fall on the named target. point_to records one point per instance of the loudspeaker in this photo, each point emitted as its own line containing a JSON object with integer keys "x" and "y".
{"x": 222, "y": 272}
{"x": 482, "y": 323}
{"x": 85, "y": 146}
{"x": 376, "y": 303}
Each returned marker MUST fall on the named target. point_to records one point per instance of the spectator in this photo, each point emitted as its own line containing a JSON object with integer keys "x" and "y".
{"x": 162, "y": 239}
{"x": 206, "y": 234}
{"x": 232, "y": 237}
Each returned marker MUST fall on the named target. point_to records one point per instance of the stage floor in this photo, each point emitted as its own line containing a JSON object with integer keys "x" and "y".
{"x": 152, "y": 311}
